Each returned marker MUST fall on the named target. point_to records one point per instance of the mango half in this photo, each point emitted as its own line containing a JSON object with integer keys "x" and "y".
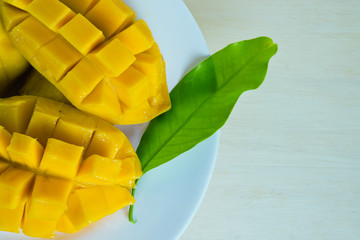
{"x": 103, "y": 60}
{"x": 60, "y": 169}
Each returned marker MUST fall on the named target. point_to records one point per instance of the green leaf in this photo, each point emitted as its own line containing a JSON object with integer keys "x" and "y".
{"x": 202, "y": 101}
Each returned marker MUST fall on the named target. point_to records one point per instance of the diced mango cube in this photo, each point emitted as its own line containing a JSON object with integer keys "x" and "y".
{"x": 103, "y": 144}
{"x": 52, "y": 13}
{"x": 61, "y": 158}
{"x": 117, "y": 198}
{"x": 56, "y": 58}
{"x": 38, "y": 227}
{"x": 21, "y": 4}
{"x": 73, "y": 132}
{"x": 3, "y": 166}
{"x": 110, "y": 16}
{"x": 49, "y": 198}
{"x": 112, "y": 57}
{"x": 80, "y": 33}
{"x": 80, "y": 6}
{"x": 93, "y": 203}
{"x": 10, "y": 220}
{"x": 132, "y": 87}
{"x": 74, "y": 218}
{"x": 154, "y": 50}
{"x": 104, "y": 100}
{"x": 152, "y": 67}
{"x": 130, "y": 169}
{"x": 16, "y": 118}
{"x": 43, "y": 120}
{"x": 64, "y": 225}
{"x": 14, "y": 187}
{"x": 30, "y": 35}
{"x": 137, "y": 37}
{"x": 80, "y": 81}
{"x": 12, "y": 16}
{"x": 99, "y": 170}
{"x": 5, "y": 138}
{"x": 25, "y": 150}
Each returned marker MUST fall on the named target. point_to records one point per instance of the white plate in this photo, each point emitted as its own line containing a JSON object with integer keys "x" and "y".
{"x": 168, "y": 196}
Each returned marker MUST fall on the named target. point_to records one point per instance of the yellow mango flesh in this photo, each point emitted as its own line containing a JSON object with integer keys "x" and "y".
{"x": 61, "y": 189}
{"x": 25, "y": 150}
{"x": 88, "y": 50}
{"x": 11, "y": 219}
{"x": 12, "y": 63}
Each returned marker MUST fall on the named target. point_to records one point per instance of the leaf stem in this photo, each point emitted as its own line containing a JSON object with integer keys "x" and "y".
{"x": 131, "y": 209}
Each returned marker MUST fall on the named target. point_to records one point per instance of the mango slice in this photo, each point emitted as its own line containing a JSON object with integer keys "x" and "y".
{"x": 64, "y": 170}
{"x": 92, "y": 51}
{"x": 12, "y": 63}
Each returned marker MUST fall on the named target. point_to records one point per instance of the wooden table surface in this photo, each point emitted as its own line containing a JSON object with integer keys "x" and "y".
{"x": 289, "y": 156}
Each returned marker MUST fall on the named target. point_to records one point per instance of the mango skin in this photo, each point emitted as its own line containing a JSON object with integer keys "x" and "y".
{"x": 91, "y": 72}
{"x": 60, "y": 186}
{"x": 12, "y": 63}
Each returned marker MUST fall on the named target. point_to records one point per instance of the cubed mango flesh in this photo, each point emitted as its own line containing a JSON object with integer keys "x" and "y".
{"x": 99, "y": 170}
{"x": 17, "y": 117}
{"x": 81, "y": 34}
{"x": 103, "y": 100}
{"x": 43, "y": 120}
{"x": 3, "y": 166}
{"x": 30, "y": 35}
{"x": 21, "y": 4}
{"x": 61, "y": 159}
{"x": 52, "y": 13}
{"x": 73, "y": 133}
{"x": 56, "y": 58}
{"x": 40, "y": 228}
{"x": 80, "y": 6}
{"x": 14, "y": 187}
{"x": 110, "y": 16}
{"x": 132, "y": 87}
{"x": 49, "y": 197}
{"x": 10, "y": 220}
{"x": 5, "y": 138}
{"x": 113, "y": 57}
{"x": 12, "y": 16}
{"x": 137, "y": 37}
{"x": 25, "y": 150}
{"x": 80, "y": 81}
{"x": 56, "y": 35}
{"x": 103, "y": 145}
{"x": 117, "y": 197}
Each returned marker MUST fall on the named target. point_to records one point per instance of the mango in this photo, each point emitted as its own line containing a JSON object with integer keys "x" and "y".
{"x": 60, "y": 168}
{"x": 95, "y": 53}
{"x": 12, "y": 63}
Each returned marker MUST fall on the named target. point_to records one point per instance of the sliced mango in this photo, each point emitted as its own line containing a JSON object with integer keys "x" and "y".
{"x": 87, "y": 49}
{"x": 60, "y": 190}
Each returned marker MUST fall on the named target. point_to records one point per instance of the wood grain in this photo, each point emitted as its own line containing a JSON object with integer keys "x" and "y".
{"x": 289, "y": 157}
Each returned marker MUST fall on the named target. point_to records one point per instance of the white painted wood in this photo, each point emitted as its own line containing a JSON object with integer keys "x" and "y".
{"x": 289, "y": 157}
